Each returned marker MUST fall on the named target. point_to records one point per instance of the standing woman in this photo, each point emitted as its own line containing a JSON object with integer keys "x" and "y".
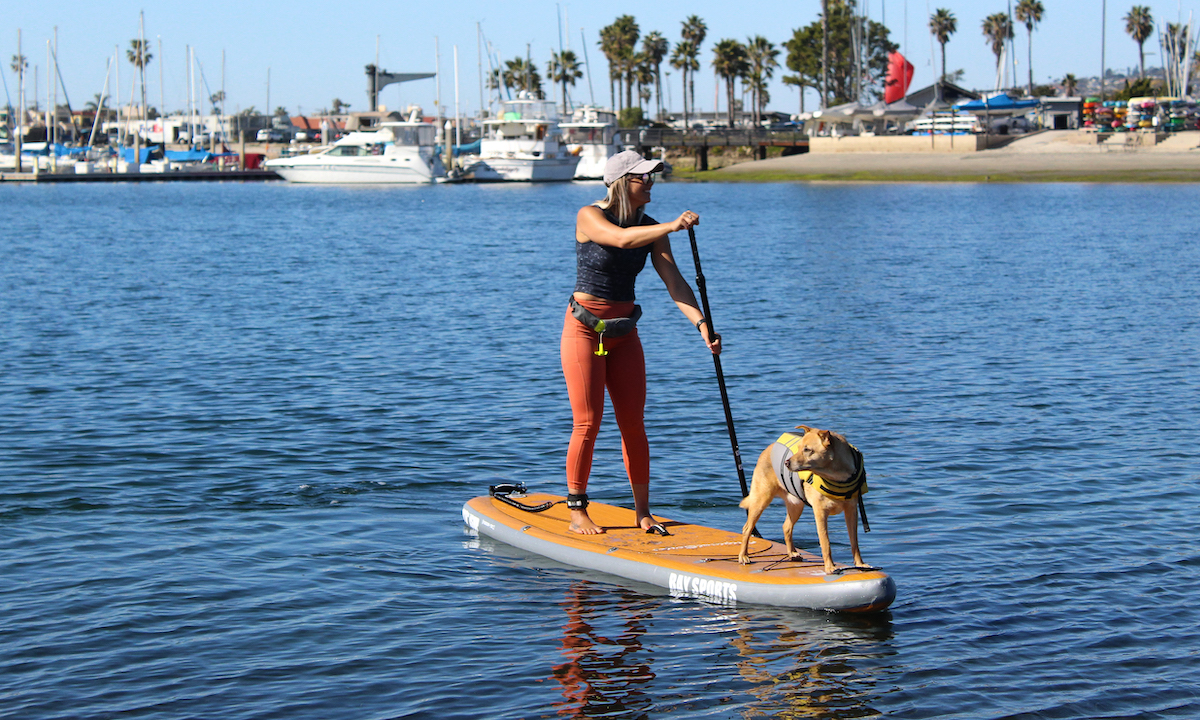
{"x": 600, "y": 345}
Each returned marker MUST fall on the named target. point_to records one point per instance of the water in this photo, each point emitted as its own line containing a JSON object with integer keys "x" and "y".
{"x": 238, "y": 423}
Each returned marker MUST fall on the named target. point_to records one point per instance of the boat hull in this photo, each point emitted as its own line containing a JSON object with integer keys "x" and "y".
{"x": 592, "y": 159}
{"x": 385, "y": 172}
{"x": 544, "y": 169}
{"x": 693, "y": 561}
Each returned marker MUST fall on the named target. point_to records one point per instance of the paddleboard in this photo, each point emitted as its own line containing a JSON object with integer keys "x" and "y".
{"x": 693, "y": 561}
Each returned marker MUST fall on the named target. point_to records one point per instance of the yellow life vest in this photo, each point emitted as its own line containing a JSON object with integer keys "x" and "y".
{"x": 787, "y": 445}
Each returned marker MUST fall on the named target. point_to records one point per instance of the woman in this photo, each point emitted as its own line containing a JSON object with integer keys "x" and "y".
{"x": 600, "y": 345}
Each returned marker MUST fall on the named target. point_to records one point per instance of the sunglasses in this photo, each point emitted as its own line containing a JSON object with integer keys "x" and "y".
{"x": 644, "y": 178}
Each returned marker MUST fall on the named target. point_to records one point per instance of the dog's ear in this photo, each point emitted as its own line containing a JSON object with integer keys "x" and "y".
{"x": 805, "y": 428}
{"x": 823, "y": 436}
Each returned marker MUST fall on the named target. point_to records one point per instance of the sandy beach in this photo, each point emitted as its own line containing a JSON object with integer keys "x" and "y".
{"x": 1043, "y": 157}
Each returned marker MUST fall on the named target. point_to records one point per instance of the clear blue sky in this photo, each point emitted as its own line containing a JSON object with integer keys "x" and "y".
{"x": 316, "y": 50}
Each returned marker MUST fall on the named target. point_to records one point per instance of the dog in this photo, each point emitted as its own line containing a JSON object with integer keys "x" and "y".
{"x": 817, "y": 468}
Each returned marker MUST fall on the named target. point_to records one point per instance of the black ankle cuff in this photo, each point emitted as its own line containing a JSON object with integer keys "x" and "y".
{"x": 577, "y": 502}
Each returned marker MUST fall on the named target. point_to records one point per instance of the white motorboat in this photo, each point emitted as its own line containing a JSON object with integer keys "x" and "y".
{"x": 389, "y": 153}
{"x": 592, "y": 135}
{"x": 523, "y": 143}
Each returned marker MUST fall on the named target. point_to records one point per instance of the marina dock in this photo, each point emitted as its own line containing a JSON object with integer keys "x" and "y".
{"x": 642, "y": 139}
{"x": 173, "y": 176}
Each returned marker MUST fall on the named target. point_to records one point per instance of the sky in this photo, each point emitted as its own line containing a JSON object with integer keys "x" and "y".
{"x": 313, "y": 52}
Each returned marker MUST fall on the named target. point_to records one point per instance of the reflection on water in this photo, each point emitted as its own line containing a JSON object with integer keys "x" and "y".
{"x": 810, "y": 665}
{"x": 621, "y": 659}
{"x": 604, "y": 675}
{"x": 217, "y": 404}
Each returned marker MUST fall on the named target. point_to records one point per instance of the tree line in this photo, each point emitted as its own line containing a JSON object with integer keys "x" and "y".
{"x": 842, "y": 55}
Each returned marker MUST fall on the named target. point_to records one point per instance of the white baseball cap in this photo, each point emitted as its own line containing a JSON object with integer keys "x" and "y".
{"x": 626, "y": 163}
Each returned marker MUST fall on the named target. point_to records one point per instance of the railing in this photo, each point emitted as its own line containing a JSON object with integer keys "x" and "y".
{"x": 720, "y": 137}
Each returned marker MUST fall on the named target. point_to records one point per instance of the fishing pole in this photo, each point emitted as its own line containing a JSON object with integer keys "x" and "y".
{"x": 737, "y": 454}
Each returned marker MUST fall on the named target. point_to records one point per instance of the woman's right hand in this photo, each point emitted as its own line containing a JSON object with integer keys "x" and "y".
{"x": 686, "y": 220}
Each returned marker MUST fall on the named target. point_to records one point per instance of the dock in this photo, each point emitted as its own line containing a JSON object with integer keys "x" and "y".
{"x": 172, "y": 176}
{"x": 794, "y": 142}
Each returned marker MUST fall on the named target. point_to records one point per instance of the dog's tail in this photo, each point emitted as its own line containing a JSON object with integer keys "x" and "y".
{"x": 745, "y": 503}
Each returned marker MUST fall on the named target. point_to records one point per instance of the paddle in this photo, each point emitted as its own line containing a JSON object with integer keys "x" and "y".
{"x": 700, "y": 284}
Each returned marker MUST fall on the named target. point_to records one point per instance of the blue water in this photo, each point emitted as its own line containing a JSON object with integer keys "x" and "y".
{"x": 238, "y": 423}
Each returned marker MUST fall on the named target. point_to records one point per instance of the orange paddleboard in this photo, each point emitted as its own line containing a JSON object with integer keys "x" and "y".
{"x": 693, "y": 561}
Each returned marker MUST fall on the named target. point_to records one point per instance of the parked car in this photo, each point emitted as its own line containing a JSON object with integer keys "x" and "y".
{"x": 202, "y": 138}
{"x": 269, "y": 135}
{"x": 304, "y": 136}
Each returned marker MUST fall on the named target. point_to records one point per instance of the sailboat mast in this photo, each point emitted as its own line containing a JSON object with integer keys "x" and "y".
{"x": 437, "y": 73}
{"x": 141, "y": 58}
{"x": 457, "y": 117}
{"x": 586, "y": 64}
{"x": 479, "y": 60}
{"x": 100, "y": 105}
{"x": 162, "y": 92}
{"x": 20, "y": 101}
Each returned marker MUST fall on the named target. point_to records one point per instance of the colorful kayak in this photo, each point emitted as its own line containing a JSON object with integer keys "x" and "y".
{"x": 692, "y": 561}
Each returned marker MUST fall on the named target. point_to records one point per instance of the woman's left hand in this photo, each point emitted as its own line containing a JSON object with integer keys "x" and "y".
{"x": 715, "y": 343}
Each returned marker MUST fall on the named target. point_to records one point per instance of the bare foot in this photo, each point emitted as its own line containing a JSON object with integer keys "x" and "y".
{"x": 583, "y": 525}
{"x": 646, "y": 522}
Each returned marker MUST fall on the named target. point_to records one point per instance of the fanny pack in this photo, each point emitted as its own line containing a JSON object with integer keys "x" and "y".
{"x": 612, "y": 327}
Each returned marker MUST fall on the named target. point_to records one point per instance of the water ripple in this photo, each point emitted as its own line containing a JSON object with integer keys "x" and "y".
{"x": 234, "y": 452}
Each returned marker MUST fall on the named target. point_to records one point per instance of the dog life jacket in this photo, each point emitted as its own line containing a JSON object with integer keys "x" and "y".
{"x": 787, "y": 445}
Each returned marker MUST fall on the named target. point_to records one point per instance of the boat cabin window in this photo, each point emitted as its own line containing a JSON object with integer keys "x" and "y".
{"x": 587, "y": 135}
{"x": 347, "y": 150}
{"x": 414, "y": 136}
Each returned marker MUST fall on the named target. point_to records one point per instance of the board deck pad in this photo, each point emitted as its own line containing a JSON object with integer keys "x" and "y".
{"x": 694, "y": 560}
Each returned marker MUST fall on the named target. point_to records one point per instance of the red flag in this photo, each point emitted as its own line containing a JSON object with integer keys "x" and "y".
{"x": 899, "y": 75}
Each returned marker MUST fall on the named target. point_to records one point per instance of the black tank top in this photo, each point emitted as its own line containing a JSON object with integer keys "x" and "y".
{"x": 610, "y": 272}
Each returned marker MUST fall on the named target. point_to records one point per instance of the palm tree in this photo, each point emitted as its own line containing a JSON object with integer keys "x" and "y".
{"x": 1030, "y": 13}
{"x": 1069, "y": 84}
{"x": 95, "y": 104}
{"x": 608, "y": 46}
{"x": 654, "y": 50}
{"x": 730, "y": 63}
{"x": 140, "y": 56}
{"x": 943, "y": 24}
{"x": 997, "y": 28}
{"x": 627, "y": 33}
{"x": 694, "y": 31}
{"x": 761, "y": 57}
{"x": 643, "y": 76}
{"x": 684, "y": 60}
{"x": 1139, "y": 23}
{"x": 564, "y": 69}
{"x": 521, "y": 74}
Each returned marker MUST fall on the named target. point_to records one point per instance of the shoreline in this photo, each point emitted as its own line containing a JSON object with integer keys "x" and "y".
{"x": 1043, "y": 157}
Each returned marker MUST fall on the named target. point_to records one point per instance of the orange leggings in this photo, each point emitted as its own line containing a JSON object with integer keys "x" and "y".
{"x": 623, "y": 372}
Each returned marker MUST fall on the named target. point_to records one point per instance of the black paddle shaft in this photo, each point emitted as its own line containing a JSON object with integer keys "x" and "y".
{"x": 737, "y": 455}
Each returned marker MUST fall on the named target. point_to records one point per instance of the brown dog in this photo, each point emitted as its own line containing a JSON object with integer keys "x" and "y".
{"x": 817, "y": 468}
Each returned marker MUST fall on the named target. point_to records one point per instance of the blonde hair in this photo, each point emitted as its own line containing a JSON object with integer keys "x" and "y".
{"x": 616, "y": 203}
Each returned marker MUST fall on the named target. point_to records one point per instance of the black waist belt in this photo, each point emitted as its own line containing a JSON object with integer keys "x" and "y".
{"x": 612, "y": 327}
